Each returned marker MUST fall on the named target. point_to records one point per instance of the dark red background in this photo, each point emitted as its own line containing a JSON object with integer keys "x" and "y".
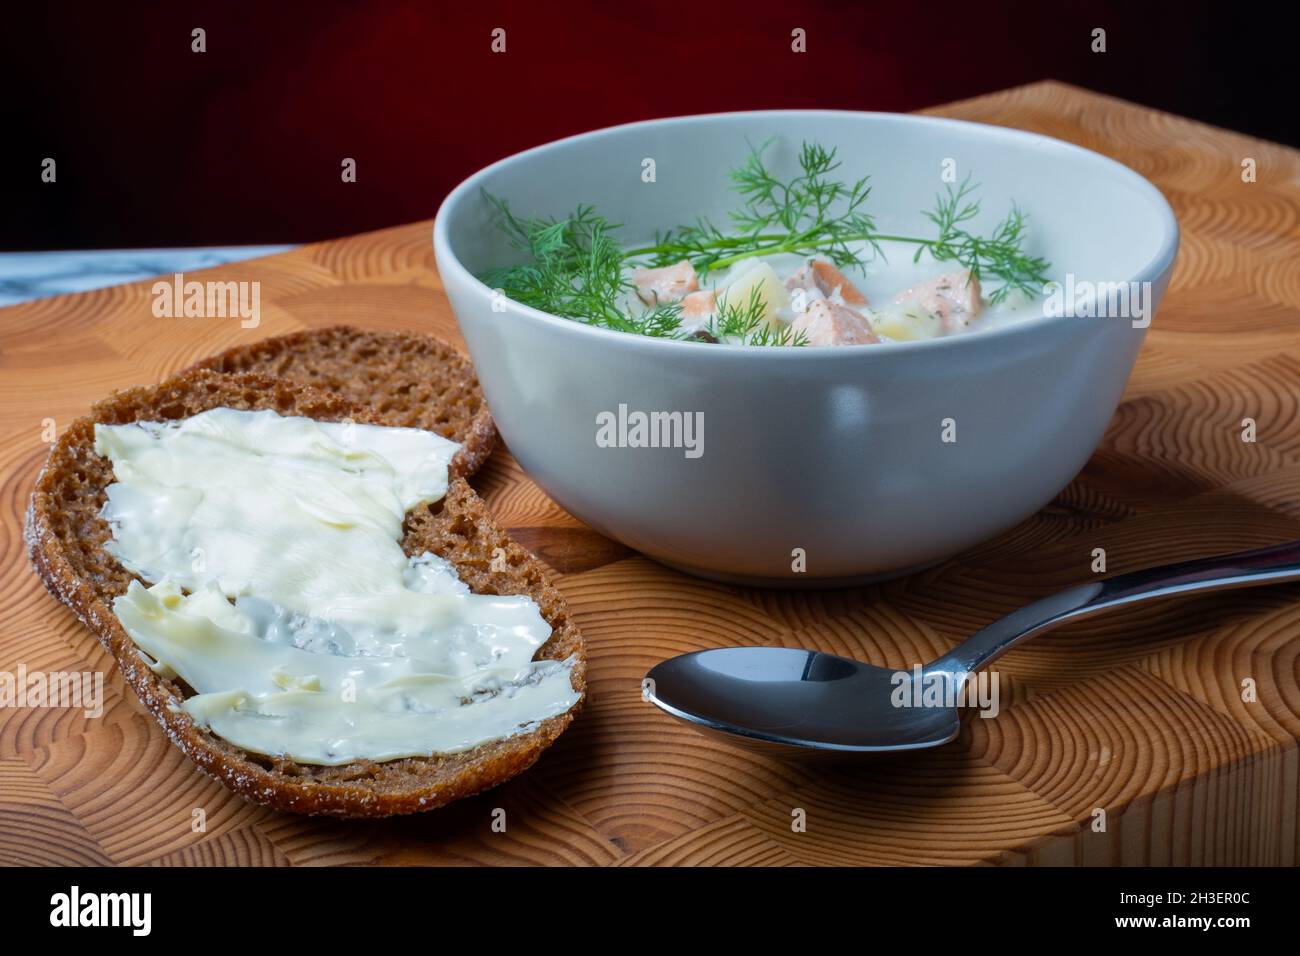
{"x": 157, "y": 145}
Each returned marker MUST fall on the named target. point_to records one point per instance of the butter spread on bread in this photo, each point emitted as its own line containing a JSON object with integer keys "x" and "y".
{"x": 337, "y": 646}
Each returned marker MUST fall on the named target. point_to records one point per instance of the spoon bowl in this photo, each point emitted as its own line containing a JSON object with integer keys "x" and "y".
{"x": 787, "y": 700}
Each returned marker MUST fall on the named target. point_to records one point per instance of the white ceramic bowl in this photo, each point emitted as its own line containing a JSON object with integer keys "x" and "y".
{"x": 838, "y": 452}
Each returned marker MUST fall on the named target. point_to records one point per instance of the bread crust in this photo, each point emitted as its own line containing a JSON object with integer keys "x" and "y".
{"x": 415, "y": 380}
{"x": 65, "y": 537}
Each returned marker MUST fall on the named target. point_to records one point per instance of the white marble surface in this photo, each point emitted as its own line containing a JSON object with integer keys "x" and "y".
{"x": 34, "y": 275}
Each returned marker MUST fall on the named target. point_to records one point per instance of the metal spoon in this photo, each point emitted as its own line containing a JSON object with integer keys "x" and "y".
{"x": 794, "y": 702}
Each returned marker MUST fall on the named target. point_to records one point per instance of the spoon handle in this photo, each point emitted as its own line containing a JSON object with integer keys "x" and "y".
{"x": 1272, "y": 565}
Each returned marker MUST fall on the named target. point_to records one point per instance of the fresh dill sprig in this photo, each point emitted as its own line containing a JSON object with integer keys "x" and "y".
{"x": 807, "y": 214}
{"x": 663, "y": 321}
{"x": 575, "y": 270}
{"x": 1001, "y": 254}
{"x": 575, "y": 267}
{"x": 747, "y": 321}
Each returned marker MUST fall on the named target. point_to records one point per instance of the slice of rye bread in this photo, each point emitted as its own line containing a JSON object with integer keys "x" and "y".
{"x": 66, "y": 536}
{"x": 409, "y": 378}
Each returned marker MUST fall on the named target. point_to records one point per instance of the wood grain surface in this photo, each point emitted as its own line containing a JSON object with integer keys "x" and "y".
{"x": 1140, "y": 715}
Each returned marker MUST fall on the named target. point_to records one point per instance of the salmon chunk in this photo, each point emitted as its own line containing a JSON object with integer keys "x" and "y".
{"x": 821, "y": 275}
{"x": 665, "y": 284}
{"x": 953, "y": 296}
{"x": 829, "y": 323}
{"x": 699, "y": 305}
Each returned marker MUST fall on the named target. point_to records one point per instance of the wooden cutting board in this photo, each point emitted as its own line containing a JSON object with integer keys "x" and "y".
{"x": 1138, "y": 716}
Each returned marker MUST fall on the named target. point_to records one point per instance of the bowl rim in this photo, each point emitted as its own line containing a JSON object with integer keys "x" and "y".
{"x": 1158, "y": 265}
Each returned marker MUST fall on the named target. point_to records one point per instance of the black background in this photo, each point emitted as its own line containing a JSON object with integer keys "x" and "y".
{"x": 157, "y": 145}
